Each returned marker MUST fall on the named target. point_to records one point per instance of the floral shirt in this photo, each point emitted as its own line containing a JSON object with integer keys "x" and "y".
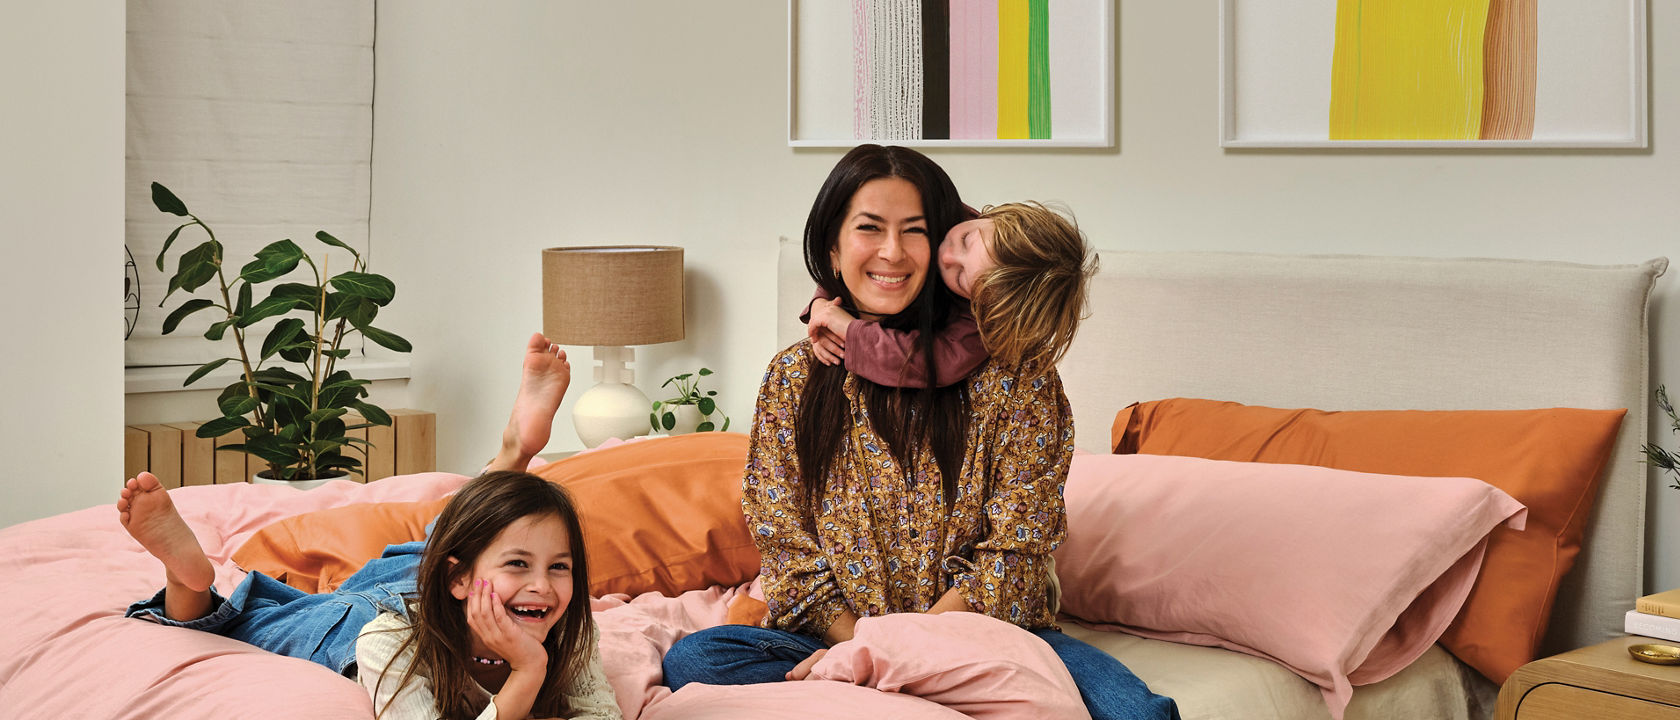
{"x": 883, "y": 542}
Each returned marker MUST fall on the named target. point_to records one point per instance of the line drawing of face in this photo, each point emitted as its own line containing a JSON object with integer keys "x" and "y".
{"x": 529, "y": 565}
{"x": 965, "y": 254}
{"x": 883, "y": 249}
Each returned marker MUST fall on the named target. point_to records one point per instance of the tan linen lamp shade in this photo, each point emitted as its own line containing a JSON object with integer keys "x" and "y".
{"x": 610, "y": 297}
{"x": 613, "y": 295}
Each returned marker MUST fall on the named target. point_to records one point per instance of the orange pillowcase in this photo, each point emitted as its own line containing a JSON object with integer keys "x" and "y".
{"x": 660, "y": 515}
{"x": 1549, "y": 460}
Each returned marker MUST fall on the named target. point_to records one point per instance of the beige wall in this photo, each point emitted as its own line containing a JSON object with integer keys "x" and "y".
{"x": 508, "y": 127}
{"x": 61, "y": 192}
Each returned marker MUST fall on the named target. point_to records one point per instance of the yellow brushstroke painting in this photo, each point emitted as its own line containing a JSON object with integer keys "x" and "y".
{"x": 1408, "y": 70}
{"x": 1012, "y": 121}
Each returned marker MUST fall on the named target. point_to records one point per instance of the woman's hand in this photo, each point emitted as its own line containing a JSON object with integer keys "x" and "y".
{"x": 802, "y": 671}
{"x": 827, "y": 329}
{"x": 499, "y": 633}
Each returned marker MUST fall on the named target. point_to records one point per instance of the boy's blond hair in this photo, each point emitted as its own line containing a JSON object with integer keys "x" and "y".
{"x": 1029, "y": 305}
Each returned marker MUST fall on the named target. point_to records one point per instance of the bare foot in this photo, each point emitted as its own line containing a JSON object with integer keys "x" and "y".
{"x": 542, "y": 385}
{"x": 149, "y": 515}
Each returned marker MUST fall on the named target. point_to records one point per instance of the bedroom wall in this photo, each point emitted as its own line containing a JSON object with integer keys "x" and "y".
{"x": 505, "y": 128}
{"x": 61, "y": 192}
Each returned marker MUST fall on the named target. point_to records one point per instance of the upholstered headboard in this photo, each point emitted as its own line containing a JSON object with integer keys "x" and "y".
{"x": 1358, "y": 333}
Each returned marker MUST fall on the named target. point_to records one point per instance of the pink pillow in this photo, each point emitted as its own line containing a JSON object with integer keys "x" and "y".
{"x": 1343, "y": 577}
{"x": 974, "y": 664}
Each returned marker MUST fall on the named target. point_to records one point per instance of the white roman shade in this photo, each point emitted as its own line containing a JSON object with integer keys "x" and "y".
{"x": 259, "y": 115}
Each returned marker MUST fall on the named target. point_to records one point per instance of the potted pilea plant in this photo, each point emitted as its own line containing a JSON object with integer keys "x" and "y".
{"x": 690, "y": 411}
{"x": 290, "y": 400}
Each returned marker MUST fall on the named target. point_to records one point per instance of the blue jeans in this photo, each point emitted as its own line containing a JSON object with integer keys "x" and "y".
{"x": 320, "y": 628}
{"x": 742, "y": 654}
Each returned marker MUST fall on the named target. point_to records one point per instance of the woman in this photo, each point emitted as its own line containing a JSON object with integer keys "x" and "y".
{"x": 866, "y": 500}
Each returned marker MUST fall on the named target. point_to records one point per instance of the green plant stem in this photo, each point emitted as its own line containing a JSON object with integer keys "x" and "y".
{"x": 238, "y": 334}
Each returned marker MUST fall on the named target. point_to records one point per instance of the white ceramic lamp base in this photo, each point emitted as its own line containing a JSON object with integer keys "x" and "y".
{"x": 614, "y": 408}
{"x": 610, "y": 410}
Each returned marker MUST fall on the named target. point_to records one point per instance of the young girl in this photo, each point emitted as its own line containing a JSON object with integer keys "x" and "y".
{"x": 475, "y": 621}
{"x": 1023, "y": 268}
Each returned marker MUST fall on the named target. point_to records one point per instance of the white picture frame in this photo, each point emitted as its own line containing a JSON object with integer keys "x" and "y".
{"x": 1274, "y": 78}
{"x": 820, "y": 79}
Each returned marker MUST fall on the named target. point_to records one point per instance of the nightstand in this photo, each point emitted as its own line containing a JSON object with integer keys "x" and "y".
{"x": 1599, "y": 681}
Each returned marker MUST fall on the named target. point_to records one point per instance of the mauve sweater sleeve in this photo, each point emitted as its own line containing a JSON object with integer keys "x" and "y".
{"x": 888, "y": 357}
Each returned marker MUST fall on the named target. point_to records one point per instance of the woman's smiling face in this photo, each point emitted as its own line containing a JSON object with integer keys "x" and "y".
{"x": 883, "y": 250}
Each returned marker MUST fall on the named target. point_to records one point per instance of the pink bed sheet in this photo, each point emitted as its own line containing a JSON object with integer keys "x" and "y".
{"x": 69, "y": 652}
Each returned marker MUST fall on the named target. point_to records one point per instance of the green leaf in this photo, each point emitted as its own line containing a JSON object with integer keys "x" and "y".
{"x": 725, "y": 425}
{"x": 706, "y": 426}
{"x": 204, "y": 370}
{"x": 373, "y": 413}
{"x": 368, "y": 285}
{"x": 385, "y": 339}
{"x": 266, "y": 309}
{"x": 706, "y": 405}
{"x": 284, "y": 391}
{"x": 338, "y": 462}
{"x": 335, "y": 242}
{"x": 298, "y": 352}
{"x": 170, "y": 241}
{"x": 167, "y": 202}
{"x": 197, "y": 266}
{"x": 305, "y": 295}
{"x": 669, "y": 420}
{"x": 324, "y": 414}
{"x": 187, "y": 308}
{"x": 216, "y": 329}
{"x": 653, "y": 420}
{"x": 236, "y": 405}
{"x": 221, "y": 426}
{"x": 704, "y": 372}
{"x": 277, "y": 259}
{"x": 362, "y": 313}
{"x": 283, "y": 335}
{"x": 343, "y": 381}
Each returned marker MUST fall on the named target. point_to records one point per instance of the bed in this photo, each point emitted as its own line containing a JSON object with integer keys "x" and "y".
{"x": 1333, "y": 333}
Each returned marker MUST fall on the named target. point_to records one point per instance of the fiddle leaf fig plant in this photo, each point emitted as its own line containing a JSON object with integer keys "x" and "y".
{"x": 664, "y": 418}
{"x": 290, "y": 400}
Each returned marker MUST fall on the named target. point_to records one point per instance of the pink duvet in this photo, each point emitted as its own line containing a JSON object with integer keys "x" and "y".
{"x": 68, "y": 652}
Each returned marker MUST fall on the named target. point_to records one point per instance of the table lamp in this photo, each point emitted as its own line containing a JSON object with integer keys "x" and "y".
{"x": 611, "y": 297}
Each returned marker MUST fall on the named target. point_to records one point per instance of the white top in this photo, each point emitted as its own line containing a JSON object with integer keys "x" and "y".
{"x": 590, "y": 696}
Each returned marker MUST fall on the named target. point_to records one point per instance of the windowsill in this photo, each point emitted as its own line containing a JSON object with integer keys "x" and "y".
{"x": 169, "y": 378}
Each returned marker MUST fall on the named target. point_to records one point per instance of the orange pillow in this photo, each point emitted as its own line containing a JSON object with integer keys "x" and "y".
{"x": 660, "y": 515}
{"x": 1549, "y": 460}
{"x": 317, "y": 551}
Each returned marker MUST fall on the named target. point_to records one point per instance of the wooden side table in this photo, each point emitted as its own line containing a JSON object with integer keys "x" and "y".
{"x": 1599, "y": 681}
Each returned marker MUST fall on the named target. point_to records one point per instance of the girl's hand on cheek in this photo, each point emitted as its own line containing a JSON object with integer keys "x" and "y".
{"x": 489, "y": 620}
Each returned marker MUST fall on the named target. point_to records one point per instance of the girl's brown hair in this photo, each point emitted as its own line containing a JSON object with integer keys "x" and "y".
{"x": 484, "y": 507}
{"x": 1029, "y": 305}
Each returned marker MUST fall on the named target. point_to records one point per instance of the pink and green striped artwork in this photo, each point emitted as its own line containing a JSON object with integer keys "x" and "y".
{"x": 944, "y": 69}
{"x": 954, "y": 70}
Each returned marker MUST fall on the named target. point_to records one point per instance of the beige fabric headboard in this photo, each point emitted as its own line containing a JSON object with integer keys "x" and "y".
{"x": 1352, "y": 333}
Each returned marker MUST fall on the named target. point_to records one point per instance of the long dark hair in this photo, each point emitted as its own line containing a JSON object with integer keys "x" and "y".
{"x": 441, "y": 639}
{"x": 902, "y": 417}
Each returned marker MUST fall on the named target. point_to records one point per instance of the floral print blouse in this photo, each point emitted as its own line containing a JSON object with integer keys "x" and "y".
{"x": 883, "y": 541}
